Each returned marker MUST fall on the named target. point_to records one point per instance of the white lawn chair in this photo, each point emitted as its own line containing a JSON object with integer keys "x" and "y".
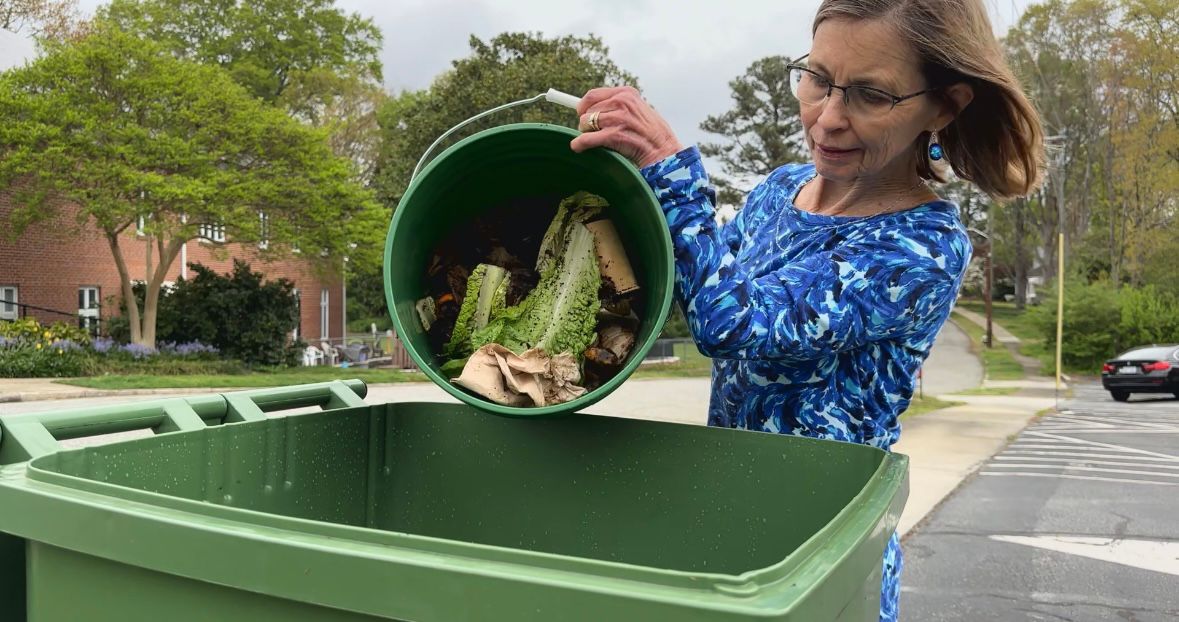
{"x": 312, "y": 356}
{"x": 330, "y": 352}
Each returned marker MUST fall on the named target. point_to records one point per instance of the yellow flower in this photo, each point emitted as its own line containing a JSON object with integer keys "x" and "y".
{"x": 59, "y": 351}
{"x": 48, "y": 334}
{"x": 38, "y": 345}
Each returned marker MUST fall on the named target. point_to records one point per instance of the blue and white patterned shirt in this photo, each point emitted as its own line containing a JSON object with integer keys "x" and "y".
{"x": 818, "y": 324}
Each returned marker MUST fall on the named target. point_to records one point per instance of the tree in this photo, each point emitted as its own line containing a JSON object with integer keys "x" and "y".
{"x": 345, "y": 104}
{"x": 266, "y": 45}
{"x": 305, "y": 56}
{"x": 1059, "y": 49}
{"x": 762, "y": 132}
{"x": 119, "y": 128}
{"x": 509, "y": 67}
{"x": 50, "y": 19}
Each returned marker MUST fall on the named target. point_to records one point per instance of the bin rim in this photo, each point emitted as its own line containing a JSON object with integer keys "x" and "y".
{"x": 590, "y": 398}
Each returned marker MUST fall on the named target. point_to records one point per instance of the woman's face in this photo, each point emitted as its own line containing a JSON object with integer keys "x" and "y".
{"x": 846, "y": 144}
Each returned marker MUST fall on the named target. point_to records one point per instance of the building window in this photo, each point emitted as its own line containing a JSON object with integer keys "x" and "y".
{"x": 263, "y": 230}
{"x": 8, "y": 303}
{"x": 323, "y": 313}
{"x": 88, "y": 311}
{"x": 212, "y": 233}
{"x": 298, "y": 315}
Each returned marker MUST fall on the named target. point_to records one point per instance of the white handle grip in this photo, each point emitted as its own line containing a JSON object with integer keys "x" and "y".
{"x": 564, "y": 99}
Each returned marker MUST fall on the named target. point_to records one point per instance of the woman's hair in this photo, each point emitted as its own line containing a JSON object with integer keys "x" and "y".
{"x": 997, "y": 141}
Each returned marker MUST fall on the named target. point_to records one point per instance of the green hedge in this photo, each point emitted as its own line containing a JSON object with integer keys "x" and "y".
{"x": 243, "y": 316}
{"x": 1101, "y": 320}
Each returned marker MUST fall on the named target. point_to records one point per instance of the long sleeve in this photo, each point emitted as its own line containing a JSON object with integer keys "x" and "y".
{"x": 887, "y": 283}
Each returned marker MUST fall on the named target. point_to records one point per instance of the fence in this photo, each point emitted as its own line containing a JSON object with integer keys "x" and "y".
{"x": 667, "y": 350}
{"x": 380, "y": 349}
{"x": 88, "y": 322}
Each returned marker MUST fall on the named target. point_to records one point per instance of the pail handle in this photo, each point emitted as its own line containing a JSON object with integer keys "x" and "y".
{"x": 31, "y": 435}
{"x": 552, "y": 95}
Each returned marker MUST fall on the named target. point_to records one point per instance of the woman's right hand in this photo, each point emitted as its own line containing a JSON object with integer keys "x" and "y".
{"x": 628, "y": 125}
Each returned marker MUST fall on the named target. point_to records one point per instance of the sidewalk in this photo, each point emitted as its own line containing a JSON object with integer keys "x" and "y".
{"x": 41, "y": 389}
{"x": 1004, "y": 338}
{"x": 947, "y": 446}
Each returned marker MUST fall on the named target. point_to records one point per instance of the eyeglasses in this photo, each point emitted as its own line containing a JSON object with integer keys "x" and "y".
{"x": 863, "y": 101}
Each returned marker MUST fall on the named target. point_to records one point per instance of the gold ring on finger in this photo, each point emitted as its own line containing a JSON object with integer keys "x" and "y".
{"x": 593, "y": 121}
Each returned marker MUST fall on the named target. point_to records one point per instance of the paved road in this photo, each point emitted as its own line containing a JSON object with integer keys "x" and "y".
{"x": 1077, "y": 520}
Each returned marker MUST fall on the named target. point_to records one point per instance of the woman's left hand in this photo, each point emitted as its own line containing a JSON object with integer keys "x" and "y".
{"x": 627, "y": 124}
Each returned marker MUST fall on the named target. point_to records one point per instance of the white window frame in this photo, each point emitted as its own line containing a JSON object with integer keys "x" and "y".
{"x": 212, "y": 233}
{"x": 298, "y": 314}
{"x": 9, "y": 310}
{"x": 263, "y": 230}
{"x": 88, "y": 306}
{"x": 140, "y": 223}
{"x": 325, "y": 299}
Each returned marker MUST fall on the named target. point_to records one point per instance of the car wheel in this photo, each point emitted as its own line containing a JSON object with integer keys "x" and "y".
{"x": 1120, "y": 396}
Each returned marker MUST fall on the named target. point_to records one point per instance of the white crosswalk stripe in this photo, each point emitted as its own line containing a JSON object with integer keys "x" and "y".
{"x": 1096, "y": 443}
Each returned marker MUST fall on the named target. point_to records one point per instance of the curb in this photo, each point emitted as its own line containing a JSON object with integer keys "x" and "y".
{"x": 36, "y": 396}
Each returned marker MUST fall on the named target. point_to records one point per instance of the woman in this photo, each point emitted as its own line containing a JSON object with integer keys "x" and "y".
{"x": 821, "y": 299}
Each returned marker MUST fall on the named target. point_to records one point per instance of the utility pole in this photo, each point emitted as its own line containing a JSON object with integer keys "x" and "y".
{"x": 986, "y": 247}
{"x": 1058, "y": 179}
{"x": 990, "y": 277}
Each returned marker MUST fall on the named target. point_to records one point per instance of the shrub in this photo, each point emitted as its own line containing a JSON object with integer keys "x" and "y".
{"x": 676, "y": 326}
{"x": 1091, "y": 319}
{"x": 30, "y": 350}
{"x": 29, "y": 330}
{"x": 1101, "y": 320}
{"x": 364, "y": 324}
{"x": 1148, "y": 315}
{"x": 263, "y": 314}
{"x": 59, "y": 359}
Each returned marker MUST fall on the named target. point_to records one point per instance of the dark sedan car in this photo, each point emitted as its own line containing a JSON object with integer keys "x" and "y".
{"x": 1149, "y": 369}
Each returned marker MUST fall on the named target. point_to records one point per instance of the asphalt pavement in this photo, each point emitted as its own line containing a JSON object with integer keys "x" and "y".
{"x": 1076, "y": 520}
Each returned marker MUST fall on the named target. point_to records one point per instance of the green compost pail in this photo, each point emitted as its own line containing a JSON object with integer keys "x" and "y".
{"x": 523, "y": 161}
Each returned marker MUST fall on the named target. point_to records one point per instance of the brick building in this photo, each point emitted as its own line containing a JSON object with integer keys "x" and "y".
{"x": 58, "y": 268}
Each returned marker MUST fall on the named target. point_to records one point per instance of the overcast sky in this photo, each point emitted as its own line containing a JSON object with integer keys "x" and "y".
{"x": 683, "y": 53}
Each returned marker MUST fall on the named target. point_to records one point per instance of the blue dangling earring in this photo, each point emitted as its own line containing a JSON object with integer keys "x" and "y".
{"x": 935, "y": 148}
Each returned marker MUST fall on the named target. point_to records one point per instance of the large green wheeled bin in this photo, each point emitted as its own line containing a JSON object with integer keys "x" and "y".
{"x": 431, "y": 512}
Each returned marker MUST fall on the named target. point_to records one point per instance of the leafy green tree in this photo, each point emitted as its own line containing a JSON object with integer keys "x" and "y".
{"x": 345, "y": 104}
{"x": 509, "y": 67}
{"x": 266, "y": 45}
{"x": 306, "y": 56}
{"x": 762, "y": 131}
{"x": 122, "y": 130}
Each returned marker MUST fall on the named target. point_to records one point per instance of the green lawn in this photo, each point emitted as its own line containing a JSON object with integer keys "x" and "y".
{"x": 1006, "y": 315}
{"x": 1032, "y": 342}
{"x": 997, "y": 361}
{"x": 989, "y": 391}
{"x": 298, "y": 375}
{"x": 920, "y": 406}
{"x": 691, "y": 365}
